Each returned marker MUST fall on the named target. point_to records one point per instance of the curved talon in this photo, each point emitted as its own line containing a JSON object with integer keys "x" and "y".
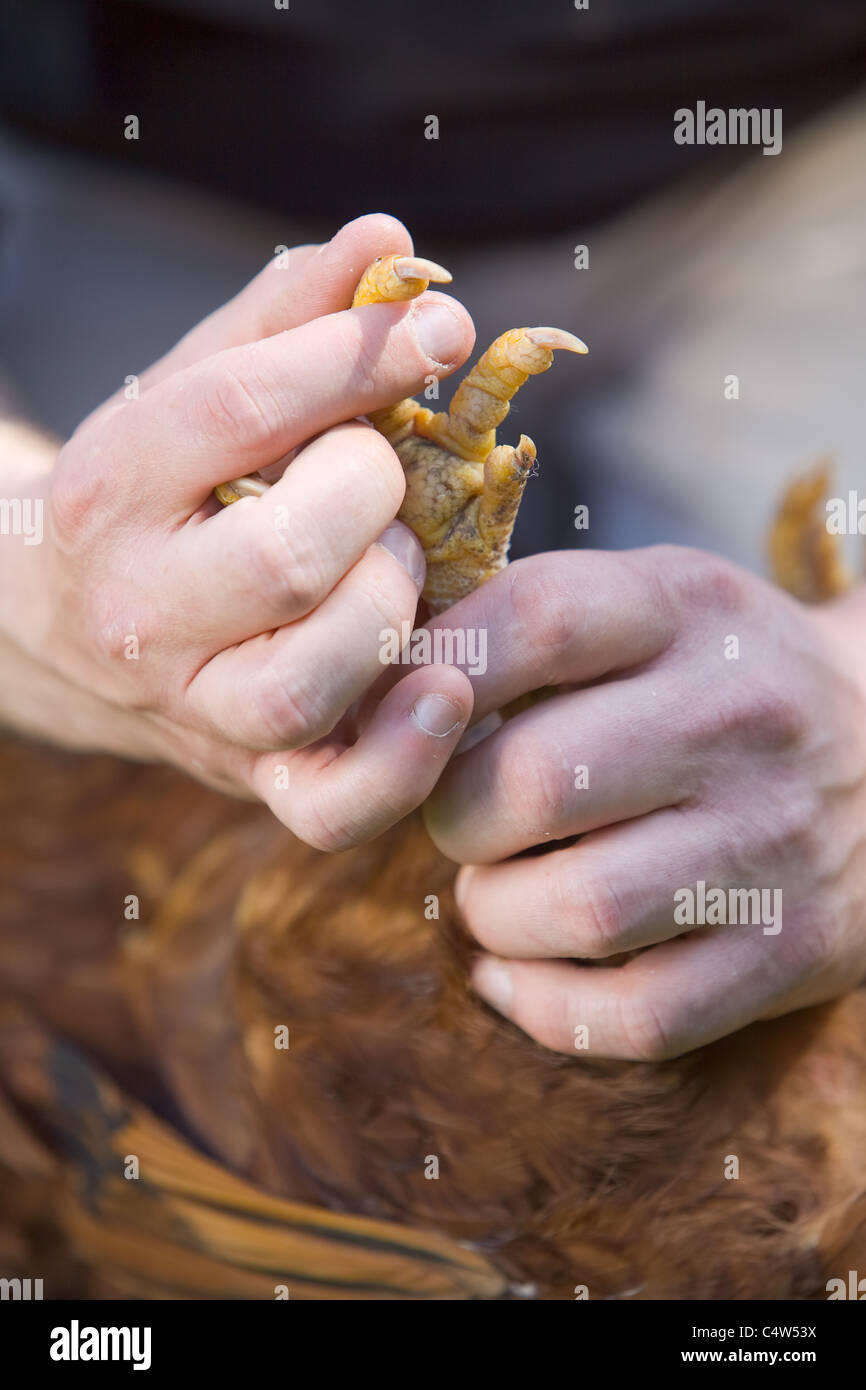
{"x": 391, "y": 279}
{"x": 417, "y": 268}
{"x": 556, "y": 338}
{"x": 249, "y": 486}
{"x": 388, "y": 280}
{"x": 462, "y": 490}
{"x": 481, "y": 401}
{"x": 806, "y": 559}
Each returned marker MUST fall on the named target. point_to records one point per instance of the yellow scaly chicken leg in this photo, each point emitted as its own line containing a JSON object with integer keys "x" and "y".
{"x": 463, "y": 490}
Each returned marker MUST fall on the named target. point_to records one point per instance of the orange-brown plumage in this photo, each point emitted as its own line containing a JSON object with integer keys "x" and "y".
{"x": 558, "y": 1171}
{"x": 151, "y": 1034}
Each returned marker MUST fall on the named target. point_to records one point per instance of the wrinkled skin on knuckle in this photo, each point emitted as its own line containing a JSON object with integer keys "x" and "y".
{"x": 651, "y": 1029}
{"x": 597, "y": 914}
{"x": 547, "y": 615}
{"x": 765, "y": 716}
{"x": 769, "y": 717}
{"x": 650, "y": 569}
{"x": 751, "y": 713}
{"x": 234, "y": 404}
{"x": 363, "y": 342}
{"x": 321, "y": 831}
{"x": 387, "y": 600}
{"x": 702, "y": 583}
{"x": 790, "y": 834}
{"x": 538, "y": 786}
{"x": 108, "y": 616}
{"x": 288, "y": 568}
{"x": 81, "y": 493}
{"x": 286, "y": 712}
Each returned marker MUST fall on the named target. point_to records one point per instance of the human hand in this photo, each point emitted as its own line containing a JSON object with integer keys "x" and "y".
{"x": 722, "y": 729}
{"x": 154, "y": 624}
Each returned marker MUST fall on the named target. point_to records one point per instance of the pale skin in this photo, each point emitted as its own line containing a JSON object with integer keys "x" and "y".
{"x": 153, "y": 624}
{"x": 747, "y": 772}
{"x": 254, "y": 644}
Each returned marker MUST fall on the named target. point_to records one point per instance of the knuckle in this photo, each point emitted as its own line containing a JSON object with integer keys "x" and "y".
{"x": 111, "y": 618}
{"x": 703, "y": 581}
{"x": 317, "y": 830}
{"x": 758, "y": 714}
{"x": 79, "y": 493}
{"x": 650, "y": 568}
{"x": 291, "y": 714}
{"x": 598, "y": 915}
{"x": 794, "y": 830}
{"x": 363, "y": 353}
{"x": 386, "y": 599}
{"x": 541, "y": 789}
{"x": 287, "y": 567}
{"x": 544, "y": 607}
{"x": 236, "y": 405}
{"x": 771, "y": 717}
{"x": 648, "y": 1028}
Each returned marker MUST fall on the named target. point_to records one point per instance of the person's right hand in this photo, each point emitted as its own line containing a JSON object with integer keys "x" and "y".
{"x": 233, "y": 642}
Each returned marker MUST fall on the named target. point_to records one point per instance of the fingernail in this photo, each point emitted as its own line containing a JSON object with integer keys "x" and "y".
{"x": 492, "y": 979}
{"x": 400, "y": 542}
{"x": 436, "y": 715}
{"x": 438, "y": 331}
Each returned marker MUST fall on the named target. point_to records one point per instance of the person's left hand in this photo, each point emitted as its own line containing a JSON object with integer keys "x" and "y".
{"x": 714, "y": 733}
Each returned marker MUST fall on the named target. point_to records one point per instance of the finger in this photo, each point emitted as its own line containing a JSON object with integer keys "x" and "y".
{"x": 334, "y": 797}
{"x": 247, "y": 406}
{"x": 302, "y": 284}
{"x": 612, "y": 892}
{"x": 288, "y": 688}
{"x": 664, "y": 1002}
{"x": 562, "y": 617}
{"x": 270, "y": 560}
{"x": 569, "y": 765}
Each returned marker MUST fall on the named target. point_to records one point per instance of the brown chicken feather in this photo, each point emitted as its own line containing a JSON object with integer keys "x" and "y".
{"x": 553, "y": 1172}
{"x": 309, "y": 1167}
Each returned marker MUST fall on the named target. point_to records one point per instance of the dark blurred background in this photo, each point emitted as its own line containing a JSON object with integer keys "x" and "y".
{"x": 261, "y": 126}
{"x": 549, "y": 115}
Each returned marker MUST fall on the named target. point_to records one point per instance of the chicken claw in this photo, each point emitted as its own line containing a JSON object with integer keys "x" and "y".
{"x": 463, "y": 490}
{"x": 392, "y": 278}
{"x": 805, "y": 558}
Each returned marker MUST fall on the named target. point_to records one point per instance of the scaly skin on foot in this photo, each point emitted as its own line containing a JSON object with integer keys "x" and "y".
{"x": 463, "y": 490}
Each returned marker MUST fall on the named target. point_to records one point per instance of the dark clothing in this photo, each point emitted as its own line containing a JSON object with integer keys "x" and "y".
{"x": 549, "y": 116}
